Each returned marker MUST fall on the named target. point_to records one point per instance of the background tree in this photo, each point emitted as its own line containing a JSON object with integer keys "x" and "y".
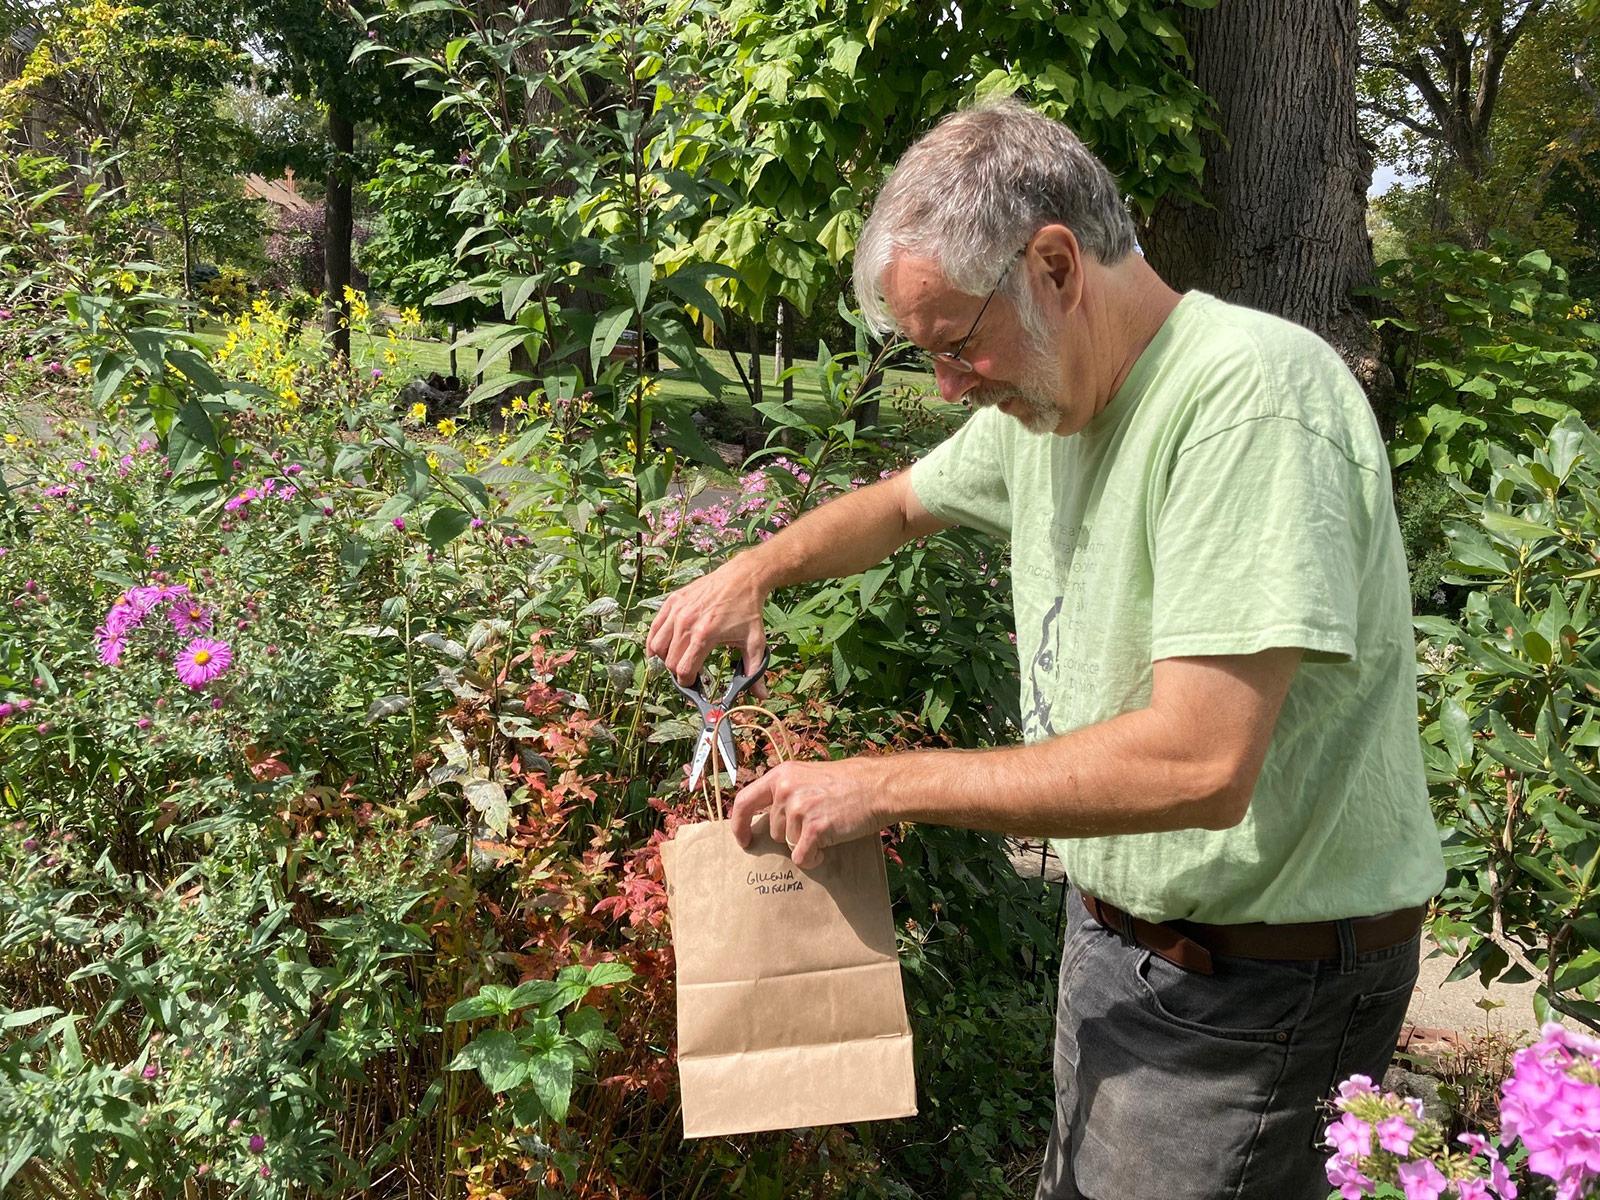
{"x": 824, "y": 97}
{"x": 146, "y": 89}
{"x": 307, "y": 46}
{"x": 1280, "y": 221}
{"x": 1502, "y": 131}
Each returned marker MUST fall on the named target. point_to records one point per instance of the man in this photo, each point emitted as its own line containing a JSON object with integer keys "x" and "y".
{"x": 1219, "y": 688}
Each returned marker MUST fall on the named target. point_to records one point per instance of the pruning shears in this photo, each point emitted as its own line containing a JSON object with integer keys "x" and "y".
{"x": 714, "y": 726}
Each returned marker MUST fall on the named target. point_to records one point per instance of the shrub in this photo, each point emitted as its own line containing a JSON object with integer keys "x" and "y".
{"x": 1511, "y": 722}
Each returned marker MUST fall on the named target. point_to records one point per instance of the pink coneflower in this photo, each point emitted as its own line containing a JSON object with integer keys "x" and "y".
{"x": 189, "y": 616}
{"x": 202, "y": 661}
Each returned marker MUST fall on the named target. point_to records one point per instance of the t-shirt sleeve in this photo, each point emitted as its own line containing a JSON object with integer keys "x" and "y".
{"x": 1258, "y": 543}
{"x": 962, "y": 479}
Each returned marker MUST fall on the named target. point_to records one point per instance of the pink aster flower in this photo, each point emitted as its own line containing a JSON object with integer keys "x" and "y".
{"x": 202, "y": 660}
{"x": 112, "y": 646}
{"x": 188, "y": 616}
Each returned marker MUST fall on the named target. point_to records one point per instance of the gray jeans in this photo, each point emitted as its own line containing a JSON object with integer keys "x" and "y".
{"x": 1172, "y": 1085}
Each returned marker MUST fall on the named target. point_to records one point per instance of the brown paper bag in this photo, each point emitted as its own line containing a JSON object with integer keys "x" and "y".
{"x": 790, "y": 1008}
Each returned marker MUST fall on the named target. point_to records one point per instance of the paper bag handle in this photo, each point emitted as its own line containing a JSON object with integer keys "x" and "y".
{"x": 713, "y": 779}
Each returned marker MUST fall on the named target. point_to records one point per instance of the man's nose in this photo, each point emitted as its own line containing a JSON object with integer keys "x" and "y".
{"x": 954, "y": 383}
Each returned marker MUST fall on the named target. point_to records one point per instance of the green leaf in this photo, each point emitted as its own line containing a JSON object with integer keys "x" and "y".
{"x": 637, "y": 269}
{"x": 497, "y": 1058}
{"x": 1457, "y": 729}
{"x": 550, "y": 1076}
{"x": 1516, "y": 528}
{"x": 446, "y": 525}
{"x": 1548, "y": 878}
{"x": 608, "y": 973}
{"x": 607, "y": 330}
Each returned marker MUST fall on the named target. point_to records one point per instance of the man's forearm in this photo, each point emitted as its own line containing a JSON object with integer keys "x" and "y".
{"x": 1124, "y": 775}
{"x": 846, "y": 535}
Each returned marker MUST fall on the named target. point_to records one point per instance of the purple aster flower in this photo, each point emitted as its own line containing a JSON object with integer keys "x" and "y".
{"x": 151, "y": 1071}
{"x": 257, "y": 1143}
{"x": 112, "y": 646}
{"x": 377, "y": 374}
{"x": 202, "y": 660}
{"x": 293, "y": 469}
{"x": 189, "y": 616}
{"x": 400, "y": 524}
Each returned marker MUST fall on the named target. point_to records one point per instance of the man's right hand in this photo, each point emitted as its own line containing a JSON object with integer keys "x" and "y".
{"x": 719, "y": 609}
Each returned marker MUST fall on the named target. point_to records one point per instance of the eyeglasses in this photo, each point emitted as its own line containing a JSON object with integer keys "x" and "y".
{"x": 953, "y": 358}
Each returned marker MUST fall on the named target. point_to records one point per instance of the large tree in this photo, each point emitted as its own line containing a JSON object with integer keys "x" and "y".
{"x": 1281, "y": 224}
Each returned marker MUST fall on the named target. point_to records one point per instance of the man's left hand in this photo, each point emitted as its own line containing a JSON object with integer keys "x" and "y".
{"x": 813, "y": 805}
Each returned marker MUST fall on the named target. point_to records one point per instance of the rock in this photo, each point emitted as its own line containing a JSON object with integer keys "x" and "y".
{"x": 1423, "y": 1087}
{"x": 435, "y": 393}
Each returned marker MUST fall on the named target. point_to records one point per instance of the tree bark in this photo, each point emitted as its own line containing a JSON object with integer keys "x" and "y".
{"x": 337, "y": 233}
{"x": 1286, "y": 178}
{"x": 786, "y": 359}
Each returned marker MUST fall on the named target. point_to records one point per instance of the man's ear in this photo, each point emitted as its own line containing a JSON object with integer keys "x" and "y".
{"x": 1054, "y": 263}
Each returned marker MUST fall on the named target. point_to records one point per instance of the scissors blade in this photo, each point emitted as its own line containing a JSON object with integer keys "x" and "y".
{"x": 702, "y": 751}
{"x": 725, "y": 746}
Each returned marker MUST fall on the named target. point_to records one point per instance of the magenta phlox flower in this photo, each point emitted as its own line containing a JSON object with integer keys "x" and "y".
{"x": 1472, "y": 1189}
{"x": 1421, "y": 1180}
{"x": 1351, "y": 1136}
{"x": 202, "y": 661}
{"x": 189, "y": 616}
{"x": 1345, "y": 1175}
{"x": 1553, "y": 1108}
{"x": 1395, "y": 1135}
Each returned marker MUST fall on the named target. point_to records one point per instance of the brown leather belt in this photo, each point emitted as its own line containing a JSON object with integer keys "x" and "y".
{"x": 1190, "y": 944}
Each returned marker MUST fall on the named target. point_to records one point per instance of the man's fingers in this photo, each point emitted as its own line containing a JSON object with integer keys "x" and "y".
{"x": 751, "y": 799}
{"x": 807, "y": 852}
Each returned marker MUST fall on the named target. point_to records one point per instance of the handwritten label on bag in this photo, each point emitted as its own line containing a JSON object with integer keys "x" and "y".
{"x": 768, "y": 883}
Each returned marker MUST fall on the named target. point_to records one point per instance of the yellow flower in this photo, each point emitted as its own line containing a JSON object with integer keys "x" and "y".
{"x": 518, "y": 404}
{"x": 81, "y": 366}
{"x": 433, "y": 461}
{"x": 447, "y": 427}
{"x": 411, "y": 316}
{"x": 12, "y": 439}
{"x": 419, "y": 412}
{"x": 505, "y": 460}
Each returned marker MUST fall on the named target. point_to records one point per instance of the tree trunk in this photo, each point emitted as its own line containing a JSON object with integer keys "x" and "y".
{"x": 786, "y": 357}
{"x": 187, "y": 233}
{"x": 755, "y": 362}
{"x": 1286, "y": 178}
{"x": 337, "y": 232}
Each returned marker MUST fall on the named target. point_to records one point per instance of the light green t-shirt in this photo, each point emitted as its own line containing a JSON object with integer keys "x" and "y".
{"x": 1233, "y": 497}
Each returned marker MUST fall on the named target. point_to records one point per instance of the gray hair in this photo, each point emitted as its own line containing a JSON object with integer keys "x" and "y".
{"x": 970, "y": 193}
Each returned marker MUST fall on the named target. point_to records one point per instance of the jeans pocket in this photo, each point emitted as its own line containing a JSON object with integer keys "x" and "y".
{"x": 1244, "y": 1000}
{"x": 1369, "y": 1040}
